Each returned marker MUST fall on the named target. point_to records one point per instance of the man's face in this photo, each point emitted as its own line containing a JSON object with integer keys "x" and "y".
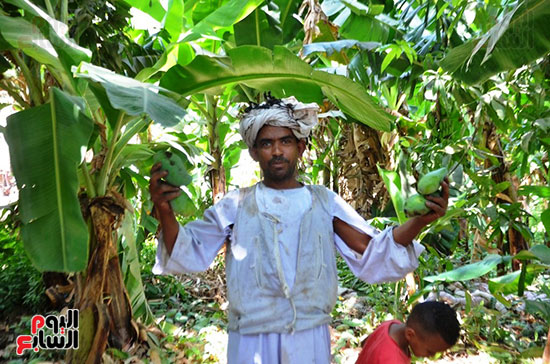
{"x": 424, "y": 344}
{"x": 277, "y": 150}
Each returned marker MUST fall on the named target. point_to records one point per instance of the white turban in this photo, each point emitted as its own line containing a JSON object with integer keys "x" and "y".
{"x": 290, "y": 113}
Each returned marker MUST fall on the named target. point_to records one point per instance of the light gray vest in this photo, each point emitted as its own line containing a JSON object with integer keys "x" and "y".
{"x": 260, "y": 300}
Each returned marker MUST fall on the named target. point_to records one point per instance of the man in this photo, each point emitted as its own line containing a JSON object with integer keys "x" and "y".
{"x": 280, "y": 264}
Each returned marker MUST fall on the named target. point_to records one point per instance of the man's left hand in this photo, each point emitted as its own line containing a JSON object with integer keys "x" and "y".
{"x": 437, "y": 204}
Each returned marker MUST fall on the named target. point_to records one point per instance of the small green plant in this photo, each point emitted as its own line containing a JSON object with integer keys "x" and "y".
{"x": 21, "y": 286}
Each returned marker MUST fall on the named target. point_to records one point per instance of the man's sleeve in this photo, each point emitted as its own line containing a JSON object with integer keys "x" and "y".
{"x": 384, "y": 260}
{"x": 199, "y": 241}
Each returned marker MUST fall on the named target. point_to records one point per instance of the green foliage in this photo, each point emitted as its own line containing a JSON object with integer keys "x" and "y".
{"x": 494, "y": 136}
{"x": 282, "y": 73}
{"x": 133, "y": 97}
{"x": 518, "y": 38}
{"x": 45, "y": 149}
{"x": 20, "y": 283}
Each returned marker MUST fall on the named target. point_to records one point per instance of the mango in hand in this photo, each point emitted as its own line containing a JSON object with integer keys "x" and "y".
{"x": 416, "y": 205}
{"x": 429, "y": 183}
{"x": 177, "y": 173}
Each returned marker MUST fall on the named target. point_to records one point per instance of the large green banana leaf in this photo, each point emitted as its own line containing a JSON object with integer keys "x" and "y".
{"x": 23, "y": 35}
{"x": 47, "y": 144}
{"x": 174, "y": 19}
{"x": 151, "y": 7}
{"x": 132, "y": 96}
{"x": 258, "y": 28}
{"x": 262, "y": 29}
{"x": 282, "y": 73}
{"x": 522, "y": 36}
{"x": 225, "y": 16}
{"x": 288, "y": 23}
{"x": 57, "y": 32}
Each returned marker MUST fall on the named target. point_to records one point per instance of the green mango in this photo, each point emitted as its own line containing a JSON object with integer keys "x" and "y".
{"x": 183, "y": 205}
{"x": 416, "y": 205}
{"x": 429, "y": 183}
{"x": 171, "y": 162}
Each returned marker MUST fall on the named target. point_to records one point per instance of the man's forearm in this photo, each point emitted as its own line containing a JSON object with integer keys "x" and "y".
{"x": 170, "y": 228}
{"x": 405, "y": 233}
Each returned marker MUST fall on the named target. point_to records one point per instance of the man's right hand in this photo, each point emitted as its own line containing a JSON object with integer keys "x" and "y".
{"x": 161, "y": 192}
{"x": 161, "y": 195}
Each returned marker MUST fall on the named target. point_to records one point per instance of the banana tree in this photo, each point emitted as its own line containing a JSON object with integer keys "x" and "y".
{"x": 69, "y": 215}
{"x": 72, "y": 208}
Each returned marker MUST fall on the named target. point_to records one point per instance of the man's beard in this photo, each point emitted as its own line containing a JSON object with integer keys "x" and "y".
{"x": 280, "y": 177}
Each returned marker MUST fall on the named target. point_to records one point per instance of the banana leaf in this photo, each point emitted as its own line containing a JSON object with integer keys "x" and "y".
{"x": 258, "y": 28}
{"x": 131, "y": 270}
{"x": 337, "y": 46}
{"x": 57, "y": 33}
{"x": 469, "y": 271}
{"x": 510, "y": 283}
{"x": 21, "y": 34}
{"x": 151, "y": 7}
{"x": 132, "y": 96}
{"x": 225, "y": 16}
{"x": 282, "y": 73}
{"x": 537, "y": 252}
{"x": 393, "y": 185}
{"x": 47, "y": 144}
{"x": 290, "y": 26}
{"x": 173, "y": 19}
{"x": 518, "y": 38}
{"x": 368, "y": 28}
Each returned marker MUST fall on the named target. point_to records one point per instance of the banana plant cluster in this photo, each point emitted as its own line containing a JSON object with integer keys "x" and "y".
{"x": 445, "y": 77}
{"x": 73, "y": 208}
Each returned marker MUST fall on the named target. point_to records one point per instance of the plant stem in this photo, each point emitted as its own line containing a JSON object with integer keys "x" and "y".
{"x": 64, "y": 15}
{"x": 88, "y": 180}
{"x": 125, "y": 138}
{"x": 202, "y": 110}
{"x": 226, "y": 109}
{"x": 64, "y": 80}
{"x": 104, "y": 174}
{"x": 49, "y": 8}
{"x": 14, "y": 94}
{"x": 34, "y": 91}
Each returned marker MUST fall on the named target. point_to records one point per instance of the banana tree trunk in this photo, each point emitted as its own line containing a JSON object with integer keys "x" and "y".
{"x": 217, "y": 172}
{"x": 515, "y": 241}
{"x": 217, "y": 176}
{"x": 359, "y": 181}
{"x": 103, "y": 302}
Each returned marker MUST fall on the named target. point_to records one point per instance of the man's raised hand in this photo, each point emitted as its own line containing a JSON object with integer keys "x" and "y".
{"x": 161, "y": 192}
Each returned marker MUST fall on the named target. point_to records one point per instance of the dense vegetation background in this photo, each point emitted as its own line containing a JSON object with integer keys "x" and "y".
{"x": 405, "y": 87}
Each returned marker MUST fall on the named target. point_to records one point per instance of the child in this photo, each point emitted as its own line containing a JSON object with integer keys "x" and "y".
{"x": 432, "y": 327}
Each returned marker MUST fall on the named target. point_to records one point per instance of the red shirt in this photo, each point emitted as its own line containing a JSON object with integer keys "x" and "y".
{"x": 380, "y": 348}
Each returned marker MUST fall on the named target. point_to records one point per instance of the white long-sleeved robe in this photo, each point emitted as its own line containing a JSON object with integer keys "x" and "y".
{"x": 198, "y": 242}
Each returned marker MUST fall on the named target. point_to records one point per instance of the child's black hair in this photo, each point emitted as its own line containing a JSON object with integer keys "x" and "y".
{"x": 436, "y": 317}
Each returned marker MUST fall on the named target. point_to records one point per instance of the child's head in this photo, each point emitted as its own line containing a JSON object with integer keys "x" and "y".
{"x": 432, "y": 327}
